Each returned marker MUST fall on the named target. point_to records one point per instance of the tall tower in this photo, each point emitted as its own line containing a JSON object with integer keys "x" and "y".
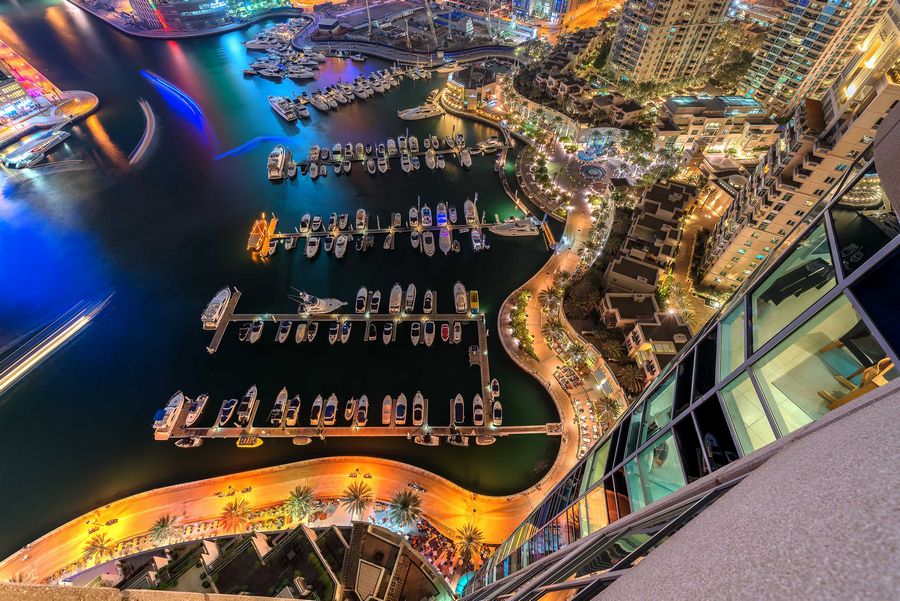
{"x": 806, "y": 48}
{"x": 666, "y": 39}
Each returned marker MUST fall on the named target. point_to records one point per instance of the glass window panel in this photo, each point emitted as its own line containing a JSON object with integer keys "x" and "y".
{"x": 635, "y": 490}
{"x": 658, "y": 409}
{"x": 594, "y": 514}
{"x": 745, "y": 410}
{"x": 634, "y": 430}
{"x": 731, "y": 341}
{"x": 863, "y": 221}
{"x": 799, "y": 281}
{"x": 661, "y": 469}
{"x": 829, "y": 361}
{"x": 597, "y": 467}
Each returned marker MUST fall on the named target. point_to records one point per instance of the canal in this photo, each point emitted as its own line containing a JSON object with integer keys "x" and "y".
{"x": 165, "y": 236}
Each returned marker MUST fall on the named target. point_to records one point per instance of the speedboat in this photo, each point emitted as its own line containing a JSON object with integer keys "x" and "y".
{"x": 345, "y": 331}
{"x": 459, "y": 411}
{"x": 415, "y": 331}
{"x": 300, "y": 334}
{"x": 362, "y": 296}
{"x": 428, "y": 302}
{"x": 418, "y": 409}
{"x": 460, "y": 298}
{"x": 256, "y": 329}
{"x": 449, "y": 67}
{"x": 388, "y": 335}
{"x": 316, "y": 306}
{"x": 343, "y": 221}
{"x": 345, "y": 167}
{"x": 413, "y": 144}
{"x": 401, "y": 143}
{"x": 440, "y": 161}
{"x": 426, "y": 142}
{"x": 336, "y": 152}
{"x": 410, "y": 303}
{"x": 304, "y": 223}
{"x": 246, "y": 408}
{"x": 189, "y": 443}
{"x": 452, "y": 213}
{"x": 389, "y": 241}
{"x": 329, "y": 243}
{"x": 405, "y": 163}
{"x": 340, "y": 246}
{"x": 360, "y": 150}
{"x": 349, "y": 409}
{"x": 457, "y": 332}
{"x": 368, "y": 149}
{"x": 391, "y": 147}
{"x": 478, "y": 410}
{"x": 400, "y": 410}
{"x": 413, "y": 217}
{"x": 276, "y": 416}
{"x": 381, "y": 150}
{"x": 423, "y": 111}
{"x": 429, "y": 332}
{"x": 315, "y": 414}
{"x": 372, "y": 332}
{"x": 396, "y": 299}
{"x": 441, "y": 214}
{"x": 215, "y": 310}
{"x": 289, "y": 243}
{"x": 284, "y": 107}
{"x": 495, "y": 388}
{"x": 459, "y": 139}
{"x": 470, "y": 212}
{"x": 445, "y": 331}
{"x": 312, "y": 246}
{"x": 165, "y": 417}
{"x": 330, "y": 414}
{"x": 375, "y": 301}
{"x": 444, "y": 241}
{"x": 195, "y": 409}
{"x": 316, "y": 223}
{"x": 397, "y": 220}
{"x": 387, "y": 410}
{"x": 415, "y": 162}
{"x": 426, "y": 216}
{"x": 382, "y": 163}
{"x": 428, "y": 242}
{"x": 313, "y": 154}
{"x": 284, "y": 330}
{"x": 497, "y": 414}
{"x": 435, "y": 142}
{"x": 477, "y": 240}
{"x": 293, "y": 412}
{"x": 244, "y": 332}
{"x": 362, "y": 411}
{"x": 312, "y": 331}
{"x": 332, "y": 222}
{"x": 226, "y": 412}
{"x": 333, "y": 330}
{"x": 348, "y": 151}
{"x": 361, "y": 219}
{"x": 371, "y": 166}
{"x": 358, "y": 57}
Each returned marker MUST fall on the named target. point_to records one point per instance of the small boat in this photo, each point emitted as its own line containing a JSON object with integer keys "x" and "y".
{"x": 372, "y": 332}
{"x": 460, "y": 298}
{"x": 427, "y": 440}
{"x": 362, "y": 297}
{"x": 371, "y": 166}
{"x": 244, "y": 332}
{"x": 246, "y": 408}
{"x": 340, "y": 246}
{"x": 312, "y": 331}
{"x": 360, "y": 150}
{"x": 457, "y": 332}
{"x": 440, "y": 162}
{"x": 329, "y": 243}
{"x": 345, "y": 331}
{"x": 441, "y": 214}
{"x": 332, "y": 222}
{"x": 226, "y": 412}
{"x": 348, "y": 152}
{"x": 410, "y": 301}
{"x": 413, "y": 144}
{"x": 413, "y": 217}
{"x": 391, "y": 147}
{"x": 478, "y": 410}
{"x": 428, "y": 242}
{"x": 273, "y": 246}
{"x": 470, "y": 213}
{"x": 400, "y": 410}
{"x": 256, "y": 329}
{"x": 452, "y": 213}
{"x": 284, "y": 330}
{"x": 426, "y": 142}
{"x": 361, "y": 219}
{"x": 330, "y": 414}
{"x": 312, "y": 246}
{"x": 316, "y": 223}
{"x": 276, "y": 162}
{"x": 375, "y": 301}
{"x": 426, "y": 216}
{"x": 430, "y": 158}
{"x": 368, "y": 148}
{"x": 343, "y": 221}
{"x": 429, "y": 332}
{"x": 415, "y": 162}
{"x": 313, "y": 153}
{"x": 333, "y": 330}
{"x": 445, "y": 331}
{"x": 415, "y": 331}
{"x": 381, "y": 151}
{"x": 418, "y": 409}
{"x": 358, "y": 57}
{"x": 465, "y": 158}
{"x": 360, "y": 242}
{"x": 293, "y": 412}
{"x": 189, "y": 443}
{"x": 289, "y": 243}
{"x": 362, "y": 411}
{"x": 460, "y": 140}
{"x": 414, "y": 238}
{"x": 495, "y": 388}
{"x": 300, "y": 334}
{"x": 315, "y": 414}
{"x": 477, "y": 241}
{"x": 195, "y": 409}
{"x": 345, "y": 167}
{"x": 388, "y": 335}
{"x": 395, "y": 299}
{"x": 401, "y": 143}
{"x": 336, "y": 152}
{"x": 276, "y": 416}
{"x": 387, "y": 410}
{"x": 397, "y": 220}
{"x": 445, "y": 242}
{"x": 389, "y": 241}
{"x": 248, "y": 442}
{"x": 304, "y": 223}
{"x": 405, "y": 163}
{"x": 459, "y": 411}
{"x": 497, "y": 415}
{"x": 349, "y": 409}
{"x": 428, "y": 302}
{"x": 382, "y": 164}
{"x": 435, "y": 142}
{"x": 312, "y": 305}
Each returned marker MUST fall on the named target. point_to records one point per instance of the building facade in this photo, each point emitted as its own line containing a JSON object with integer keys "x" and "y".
{"x": 14, "y": 100}
{"x": 812, "y": 332}
{"x": 192, "y": 15}
{"x": 665, "y": 40}
{"x": 557, "y": 12}
{"x": 146, "y": 14}
{"x": 806, "y": 49}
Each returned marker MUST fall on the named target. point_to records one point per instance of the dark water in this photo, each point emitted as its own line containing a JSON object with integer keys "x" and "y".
{"x": 165, "y": 237}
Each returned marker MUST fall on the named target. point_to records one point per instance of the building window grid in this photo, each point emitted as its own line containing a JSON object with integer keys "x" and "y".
{"x": 842, "y": 287}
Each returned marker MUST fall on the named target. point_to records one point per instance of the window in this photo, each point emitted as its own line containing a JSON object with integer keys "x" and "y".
{"x": 745, "y": 412}
{"x": 829, "y": 361}
{"x": 661, "y": 469}
{"x": 841, "y": 167}
{"x": 731, "y": 341}
{"x": 658, "y": 410}
{"x": 859, "y": 216}
{"x": 802, "y": 278}
{"x": 635, "y": 489}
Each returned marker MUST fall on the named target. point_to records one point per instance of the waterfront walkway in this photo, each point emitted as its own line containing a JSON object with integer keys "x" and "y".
{"x": 72, "y": 105}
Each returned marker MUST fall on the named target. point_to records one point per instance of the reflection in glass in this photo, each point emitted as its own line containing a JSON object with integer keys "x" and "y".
{"x": 658, "y": 409}
{"x": 748, "y": 419}
{"x": 635, "y": 489}
{"x": 831, "y": 360}
{"x": 799, "y": 281}
{"x": 661, "y": 469}
{"x": 731, "y": 341}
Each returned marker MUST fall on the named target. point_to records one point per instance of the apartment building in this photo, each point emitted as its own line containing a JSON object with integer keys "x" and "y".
{"x": 665, "y": 40}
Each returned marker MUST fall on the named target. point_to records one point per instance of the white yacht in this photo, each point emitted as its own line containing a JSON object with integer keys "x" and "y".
{"x": 284, "y": 330}
{"x": 284, "y": 107}
{"x": 315, "y": 413}
{"x": 256, "y": 329}
{"x": 300, "y": 333}
{"x": 497, "y": 414}
{"x": 465, "y": 158}
{"x": 444, "y": 240}
{"x": 387, "y": 335}
{"x": 525, "y": 226}
{"x": 449, "y": 67}
{"x": 362, "y": 411}
{"x": 312, "y": 331}
{"x": 246, "y": 408}
{"x": 426, "y": 216}
{"x": 458, "y": 414}
{"x": 195, "y": 409}
{"x": 396, "y": 299}
{"x": 477, "y": 240}
{"x": 418, "y": 409}
{"x": 165, "y": 417}
{"x": 430, "y": 156}
{"x": 276, "y": 162}
{"x": 375, "y": 302}
{"x": 316, "y": 306}
{"x": 304, "y": 223}
{"x": 460, "y": 297}
{"x": 413, "y": 217}
{"x": 423, "y": 111}
{"x": 340, "y": 246}
{"x": 293, "y": 412}
{"x": 391, "y": 147}
{"x": 216, "y": 308}
{"x": 371, "y": 165}
{"x": 410, "y": 302}
{"x": 330, "y": 415}
{"x": 362, "y": 299}
{"x": 362, "y": 219}
{"x": 349, "y": 409}
{"x": 457, "y": 332}
{"x": 452, "y": 213}
{"x": 495, "y": 388}
{"x": 345, "y": 331}
{"x": 400, "y": 410}
{"x": 276, "y": 416}
{"x": 226, "y": 412}
{"x": 415, "y": 332}
{"x": 429, "y": 332}
{"x": 382, "y": 164}
{"x": 470, "y": 212}
{"x": 428, "y": 302}
{"x": 414, "y": 238}
{"x": 312, "y": 247}
{"x": 387, "y": 410}
{"x": 478, "y": 410}
{"x": 405, "y": 163}
{"x": 428, "y": 242}
{"x": 413, "y": 143}
{"x": 440, "y": 162}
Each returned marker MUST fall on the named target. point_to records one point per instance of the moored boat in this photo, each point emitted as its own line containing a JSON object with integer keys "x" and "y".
{"x": 195, "y": 409}
{"x": 429, "y": 332}
{"x": 293, "y": 412}
{"x": 458, "y": 414}
{"x": 460, "y": 298}
{"x": 418, "y": 409}
{"x": 396, "y": 299}
{"x": 428, "y": 242}
{"x": 478, "y": 410}
{"x": 276, "y": 416}
{"x": 400, "y": 410}
{"x": 362, "y": 411}
{"x": 415, "y": 332}
{"x": 226, "y": 412}
{"x": 215, "y": 310}
{"x": 387, "y": 410}
{"x": 315, "y": 413}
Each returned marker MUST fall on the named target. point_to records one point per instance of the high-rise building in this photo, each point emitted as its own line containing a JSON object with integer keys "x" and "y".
{"x": 182, "y": 15}
{"x": 817, "y": 145}
{"x": 146, "y": 14}
{"x": 558, "y": 12}
{"x": 796, "y": 358}
{"x": 666, "y": 39}
{"x": 806, "y": 49}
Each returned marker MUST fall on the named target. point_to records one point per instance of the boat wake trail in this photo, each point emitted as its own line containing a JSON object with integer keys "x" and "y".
{"x": 253, "y": 144}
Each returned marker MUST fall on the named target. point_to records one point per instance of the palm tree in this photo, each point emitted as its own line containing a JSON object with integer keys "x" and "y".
{"x": 631, "y": 378}
{"x": 469, "y": 541}
{"x": 163, "y": 529}
{"x": 405, "y": 508}
{"x": 548, "y": 300}
{"x": 358, "y": 497}
{"x": 608, "y": 410}
{"x": 299, "y": 501}
{"x": 552, "y": 329}
{"x": 99, "y": 546}
{"x": 235, "y": 515}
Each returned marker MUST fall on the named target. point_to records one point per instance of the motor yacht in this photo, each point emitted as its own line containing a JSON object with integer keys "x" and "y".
{"x": 330, "y": 413}
{"x": 478, "y": 410}
{"x": 372, "y": 332}
{"x": 381, "y": 150}
{"x": 440, "y": 163}
{"x": 276, "y": 162}
{"x": 388, "y": 335}
{"x": 189, "y": 443}
{"x": 459, "y": 411}
{"x": 332, "y": 222}
{"x": 426, "y": 142}
{"x": 293, "y": 412}
{"x": 226, "y": 412}
{"x": 340, "y": 246}
{"x": 465, "y": 158}
{"x": 362, "y": 219}
{"x": 316, "y": 306}
{"x": 300, "y": 333}
{"x": 387, "y": 410}
{"x": 497, "y": 414}
{"x": 445, "y": 331}
{"x": 460, "y": 298}
{"x": 315, "y": 413}
{"x": 405, "y": 163}
{"x": 389, "y": 241}
{"x": 525, "y": 226}
{"x": 430, "y": 158}
{"x": 215, "y": 310}
{"x": 423, "y": 111}
{"x": 244, "y": 332}
{"x": 428, "y": 302}
{"x": 415, "y": 332}
{"x": 400, "y": 410}
{"x": 345, "y": 331}
{"x": 246, "y": 408}
{"x": 302, "y": 112}
{"x": 276, "y": 416}
{"x": 470, "y": 212}
{"x": 195, "y": 409}
{"x": 435, "y": 142}
{"x": 348, "y": 152}
{"x": 396, "y": 299}
{"x": 284, "y": 330}
{"x": 312, "y": 247}
{"x": 371, "y": 165}
{"x": 360, "y": 150}
{"x": 345, "y": 167}
{"x": 273, "y": 246}
{"x": 362, "y": 411}
{"x": 413, "y": 217}
{"x": 495, "y": 388}
{"x": 391, "y": 147}
{"x": 329, "y": 243}
{"x": 304, "y": 223}
{"x": 375, "y": 301}
{"x": 358, "y": 57}
{"x": 283, "y": 107}
{"x": 343, "y": 221}
{"x": 413, "y": 144}
{"x": 382, "y": 163}
{"x": 165, "y": 417}
{"x": 477, "y": 240}
{"x": 429, "y": 332}
{"x": 445, "y": 242}
{"x": 428, "y": 242}
{"x": 349, "y": 409}
{"x": 289, "y": 243}
{"x": 316, "y": 223}
{"x": 312, "y": 331}
{"x": 410, "y": 299}
{"x": 333, "y": 331}
{"x": 418, "y": 409}
{"x": 426, "y": 216}
{"x": 256, "y": 329}
{"x": 362, "y": 297}
{"x": 449, "y": 67}
{"x": 397, "y": 220}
